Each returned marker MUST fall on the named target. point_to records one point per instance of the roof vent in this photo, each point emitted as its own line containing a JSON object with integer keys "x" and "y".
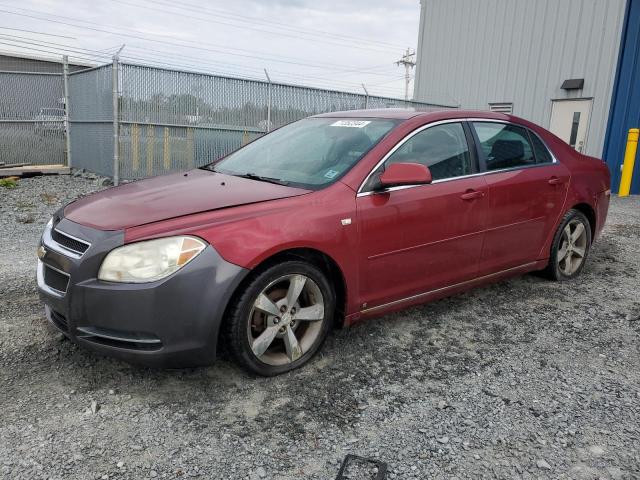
{"x": 501, "y": 107}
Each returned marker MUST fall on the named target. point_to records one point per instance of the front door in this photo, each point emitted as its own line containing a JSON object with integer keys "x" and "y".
{"x": 570, "y": 121}
{"x": 419, "y": 238}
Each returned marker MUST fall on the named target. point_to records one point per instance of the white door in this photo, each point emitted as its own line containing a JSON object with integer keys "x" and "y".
{"x": 570, "y": 121}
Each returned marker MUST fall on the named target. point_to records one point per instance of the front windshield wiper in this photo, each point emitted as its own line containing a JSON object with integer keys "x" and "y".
{"x": 250, "y": 175}
{"x": 261, "y": 178}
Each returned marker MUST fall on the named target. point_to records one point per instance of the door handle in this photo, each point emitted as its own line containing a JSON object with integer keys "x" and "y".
{"x": 471, "y": 195}
{"x": 555, "y": 181}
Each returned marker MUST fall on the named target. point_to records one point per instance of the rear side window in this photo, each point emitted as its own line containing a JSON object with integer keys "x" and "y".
{"x": 442, "y": 148}
{"x": 542, "y": 153}
{"x": 504, "y": 145}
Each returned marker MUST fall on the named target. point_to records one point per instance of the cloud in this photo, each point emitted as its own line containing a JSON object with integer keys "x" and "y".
{"x": 330, "y": 43}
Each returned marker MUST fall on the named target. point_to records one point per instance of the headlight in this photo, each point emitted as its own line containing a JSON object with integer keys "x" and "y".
{"x": 149, "y": 260}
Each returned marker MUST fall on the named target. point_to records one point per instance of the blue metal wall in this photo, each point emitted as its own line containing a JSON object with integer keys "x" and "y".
{"x": 625, "y": 103}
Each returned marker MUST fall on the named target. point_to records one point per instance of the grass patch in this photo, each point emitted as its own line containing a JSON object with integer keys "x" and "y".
{"x": 9, "y": 182}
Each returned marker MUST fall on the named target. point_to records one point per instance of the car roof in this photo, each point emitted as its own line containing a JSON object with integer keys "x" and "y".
{"x": 408, "y": 113}
{"x": 397, "y": 113}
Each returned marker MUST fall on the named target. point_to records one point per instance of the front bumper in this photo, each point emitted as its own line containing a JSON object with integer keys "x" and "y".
{"x": 173, "y": 322}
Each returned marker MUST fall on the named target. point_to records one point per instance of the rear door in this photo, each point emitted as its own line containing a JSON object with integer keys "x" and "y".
{"x": 419, "y": 238}
{"x": 527, "y": 187}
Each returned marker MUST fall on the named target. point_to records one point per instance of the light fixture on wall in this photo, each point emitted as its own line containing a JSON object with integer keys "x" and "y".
{"x": 573, "y": 84}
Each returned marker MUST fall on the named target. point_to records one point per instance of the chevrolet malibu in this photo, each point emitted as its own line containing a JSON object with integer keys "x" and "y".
{"x": 327, "y": 221}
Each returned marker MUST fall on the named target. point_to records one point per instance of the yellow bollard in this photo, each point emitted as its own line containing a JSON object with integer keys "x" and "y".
{"x": 629, "y": 160}
{"x": 151, "y": 140}
{"x": 135, "y": 147}
{"x": 190, "y": 150}
{"x": 166, "y": 149}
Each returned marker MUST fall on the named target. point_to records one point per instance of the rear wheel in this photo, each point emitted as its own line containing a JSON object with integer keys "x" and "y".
{"x": 281, "y": 319}
{"x": 570, "y": 247}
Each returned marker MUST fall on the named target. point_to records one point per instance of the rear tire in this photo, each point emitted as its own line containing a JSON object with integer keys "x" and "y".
{"x": 570, "y": 247}
{"x": 281, "y": 318}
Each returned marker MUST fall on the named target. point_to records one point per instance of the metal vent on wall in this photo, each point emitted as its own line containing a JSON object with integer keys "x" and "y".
{"x": 502, "y": 107}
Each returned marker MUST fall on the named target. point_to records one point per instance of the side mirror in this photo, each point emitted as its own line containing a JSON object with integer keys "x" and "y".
{"x": 398, "y": 174}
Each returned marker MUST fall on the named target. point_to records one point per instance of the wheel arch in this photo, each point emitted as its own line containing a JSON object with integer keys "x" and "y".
{"x": 588, "y": 212}
{"x": 313, "y": 256}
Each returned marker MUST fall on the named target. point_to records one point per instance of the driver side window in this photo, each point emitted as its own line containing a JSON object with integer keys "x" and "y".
{"x": 442, "y": 148}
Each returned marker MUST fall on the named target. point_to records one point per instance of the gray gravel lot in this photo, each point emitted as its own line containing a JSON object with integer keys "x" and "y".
{"x": 526, "y": 378}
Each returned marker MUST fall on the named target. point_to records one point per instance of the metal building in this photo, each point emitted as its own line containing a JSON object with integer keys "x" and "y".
{"x": 572, "y": 66}
{"x": 18, "y": 62}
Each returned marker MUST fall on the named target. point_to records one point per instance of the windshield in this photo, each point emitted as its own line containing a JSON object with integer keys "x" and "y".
{"x": 311, "y": 153}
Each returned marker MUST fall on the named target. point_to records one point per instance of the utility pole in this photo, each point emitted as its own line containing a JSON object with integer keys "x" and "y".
{"x": 408, "y": 61}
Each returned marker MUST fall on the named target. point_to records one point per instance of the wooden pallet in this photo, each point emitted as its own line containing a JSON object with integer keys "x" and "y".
{"x": 33, "y": 170}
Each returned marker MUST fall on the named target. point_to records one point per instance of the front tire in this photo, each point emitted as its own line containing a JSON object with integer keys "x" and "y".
{"x": 570, "y": 247}
{"x": 281, "y": 318}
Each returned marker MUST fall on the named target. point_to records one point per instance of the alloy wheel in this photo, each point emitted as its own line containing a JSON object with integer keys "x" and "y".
{"x": 286, "y": 319}
{"x": 573, "y": 247}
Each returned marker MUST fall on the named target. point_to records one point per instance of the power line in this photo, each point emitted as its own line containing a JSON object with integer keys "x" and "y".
{"x": 299, "y": 35}
{"x": 198, "y": 69}
{"x": 192, "y": 68}
{"x": 288, "y": 74}
{"x": 39, "y": 33}
{"x": 369, "y": 70}
{"x": 81, "y": 57}
{"x": 184, "y": 44}
{"x": 96, "y": 55}
{"x": 229, "y": 14}
{"x": 65, "y": 49}
{"x": 388, "y": 81}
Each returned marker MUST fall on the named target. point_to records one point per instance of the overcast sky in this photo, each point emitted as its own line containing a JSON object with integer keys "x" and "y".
{"x": 329, "y": 43}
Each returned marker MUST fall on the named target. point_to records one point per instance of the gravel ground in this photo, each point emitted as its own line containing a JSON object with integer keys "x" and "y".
{"x": 526, "y": 378}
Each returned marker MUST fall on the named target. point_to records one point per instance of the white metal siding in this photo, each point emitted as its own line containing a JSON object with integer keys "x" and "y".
{"x": 476, "y": 52}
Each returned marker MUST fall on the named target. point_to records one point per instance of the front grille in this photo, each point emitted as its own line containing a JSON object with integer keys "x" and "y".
{"x": 59, "y": 321}
{"x": 55, "y": 279}
{"x": 68, "y": 242}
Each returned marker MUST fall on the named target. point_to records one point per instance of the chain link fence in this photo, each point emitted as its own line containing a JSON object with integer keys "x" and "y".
{"x": 167, "y": 120}
{"x": 173, "y": 120}
{"x": 91, "y": 119}
{"x": 32, "y": 116}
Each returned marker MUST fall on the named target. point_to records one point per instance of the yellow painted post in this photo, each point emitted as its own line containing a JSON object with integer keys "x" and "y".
{"x": 151, "y": 143}
{"x": 245, "y": 138}
{"x": 135, "y": 147}
{"x": 190, "y": 151}
{"x": 629, "y": 161}
{"x": 166, "y": 149}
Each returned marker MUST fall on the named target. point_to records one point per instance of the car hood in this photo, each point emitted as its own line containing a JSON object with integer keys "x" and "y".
{"x": 170, "y": 196}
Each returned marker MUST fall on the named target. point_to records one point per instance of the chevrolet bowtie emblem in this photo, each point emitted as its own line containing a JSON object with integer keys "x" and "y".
{"x": 41, "y": 252}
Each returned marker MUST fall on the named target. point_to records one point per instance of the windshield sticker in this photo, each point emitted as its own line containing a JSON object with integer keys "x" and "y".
{"x": 351, "y": 123}
{"x": 331, "y": 174}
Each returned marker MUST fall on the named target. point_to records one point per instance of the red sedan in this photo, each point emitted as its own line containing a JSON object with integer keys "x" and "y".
{"x": 327, "y": 221}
